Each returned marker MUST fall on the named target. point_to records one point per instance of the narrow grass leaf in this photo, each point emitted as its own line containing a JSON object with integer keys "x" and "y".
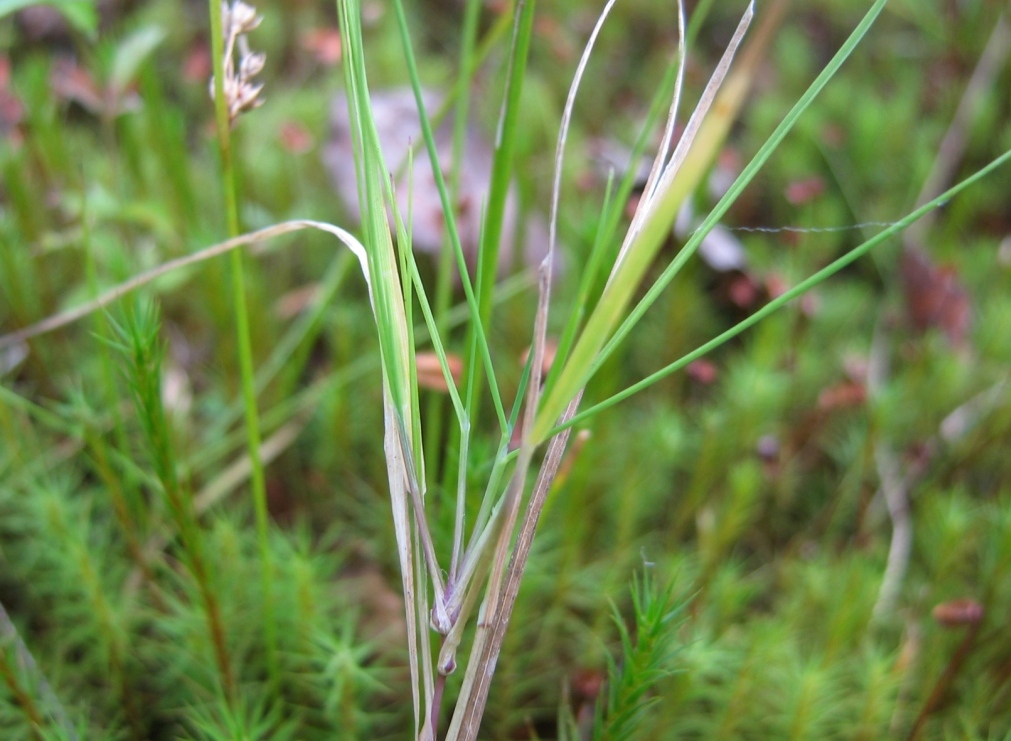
{"x": 641, "y": 243}
{"x": 799, "y": 289}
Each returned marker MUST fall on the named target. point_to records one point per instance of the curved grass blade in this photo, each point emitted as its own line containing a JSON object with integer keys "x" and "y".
{"x": 799, "y": 289}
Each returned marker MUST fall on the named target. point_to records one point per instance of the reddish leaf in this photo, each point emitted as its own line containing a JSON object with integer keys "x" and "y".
{"x": 744, "y": 292}
{"x": 296, "y": 138}
{"x": 41, "y": 22}
{"x": 430, "y": 374}
{"x": 834, "y": 135}
{"x": 554, "y": 33}
{"x": 294, "y": 302}
{"x": 935, "y": 296}
{"x": 197, "y": 65}
{"x": 587, "y": 683}
{"x": 324, "y": 44}
{"x": 73, "y": 84}
{"x": 804, "y": 191}
{"x": 810, "y": 303}
{"x": 703, "y": 371}
{"x": 842, "y": 396}
{"x": 958, "y": 612}
{"x": 776, "y": 285}
{"x": 550, "y": 350}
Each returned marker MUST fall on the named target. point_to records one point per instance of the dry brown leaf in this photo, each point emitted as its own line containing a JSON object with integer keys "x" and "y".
{"x": 804, "y": 191}
{"x": 842, "y": 396}
{"x": 324, "y": 44}
{"x": 74, "y": 84}
{"x": 935, "y": 297}
{"x": 744, "y": 292}
{"x": 958, "y": 612}
{"x": 430, "y": 375}
{"x": 71, "y": 83}
{"x": 296, "y": 301}
{"x": 550, "y": 350}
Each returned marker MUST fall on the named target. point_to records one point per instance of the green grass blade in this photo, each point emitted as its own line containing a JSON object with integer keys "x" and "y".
{"x": 649, "y": 227}
{"x": 502, "y": 164}
{"x": 243, "y": 336}
{"x": 612, "y": 210}
{"x": 799, "y": 289}
{"x": 594, "y": 351}
{"x": 448, "y": 211}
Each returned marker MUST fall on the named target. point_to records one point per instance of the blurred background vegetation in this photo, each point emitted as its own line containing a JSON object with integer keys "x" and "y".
{"x": 764, "y": 484}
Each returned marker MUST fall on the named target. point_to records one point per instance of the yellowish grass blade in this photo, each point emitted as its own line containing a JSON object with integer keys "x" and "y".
{"x": 679, "y": 177}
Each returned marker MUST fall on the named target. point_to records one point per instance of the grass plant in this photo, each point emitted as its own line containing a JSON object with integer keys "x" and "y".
{"x": 814, "y": 525}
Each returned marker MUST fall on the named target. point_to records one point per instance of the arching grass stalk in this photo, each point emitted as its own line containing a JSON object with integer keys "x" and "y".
{"x": 110, "y": 296}
{"x": 232, "y": 94}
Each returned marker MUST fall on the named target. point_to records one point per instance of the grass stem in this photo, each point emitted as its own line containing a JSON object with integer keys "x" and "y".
{"x": 242, "y": 331}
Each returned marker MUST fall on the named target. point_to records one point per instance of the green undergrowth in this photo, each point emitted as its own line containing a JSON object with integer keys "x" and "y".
{"x": 709, "y": 565}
